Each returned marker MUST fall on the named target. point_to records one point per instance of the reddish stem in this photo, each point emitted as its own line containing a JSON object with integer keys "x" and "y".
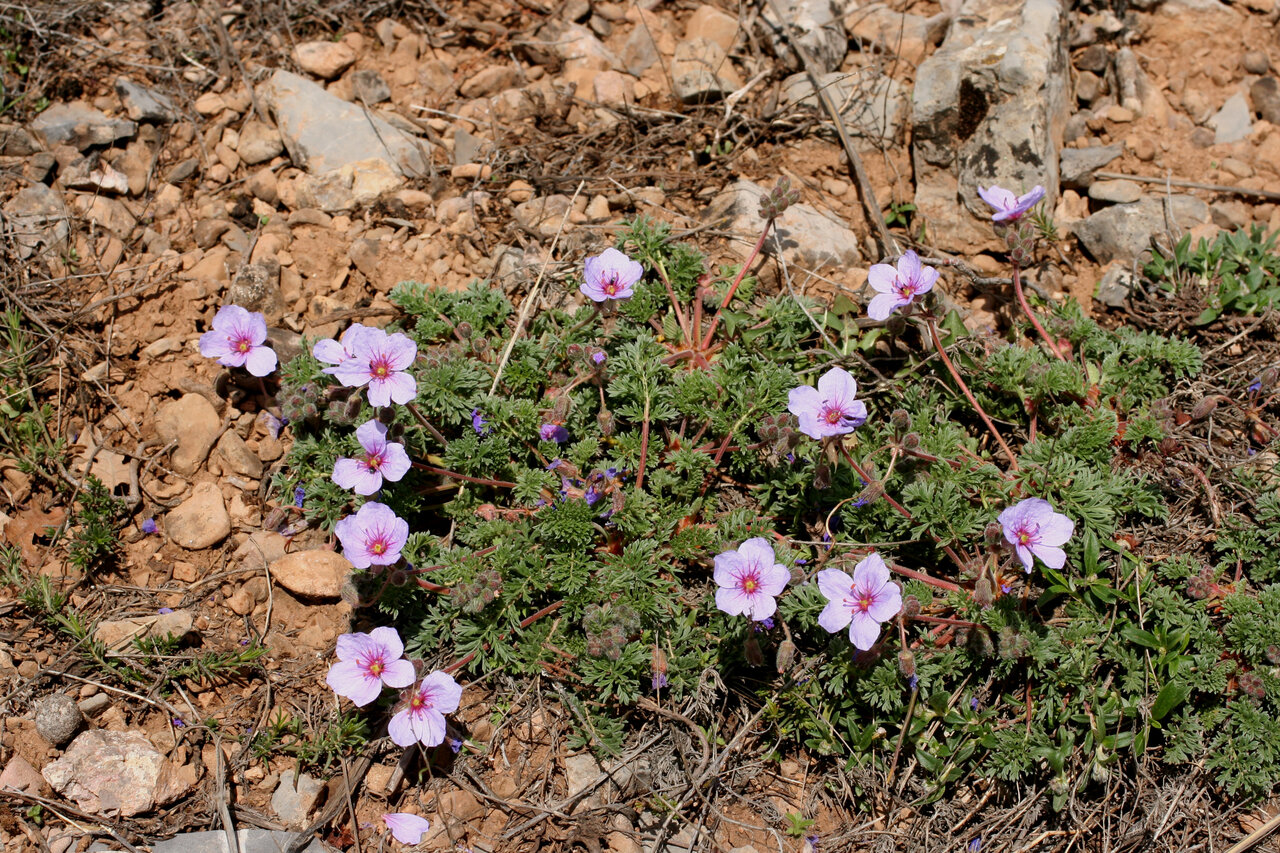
{"x": 524, "y": 623}
{"x": 942, "y": 620}
{"x": 929, "y": 579}
{"x": 675, "y": 304}
{"x": 728, "y": 297}
{"x": 456, "y": 476}
{"x": 955, "y": 374}
{"x": 1026, "y": 309}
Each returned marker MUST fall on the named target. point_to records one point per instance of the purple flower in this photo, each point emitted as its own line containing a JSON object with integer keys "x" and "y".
{"x": 375, "y": 535}
{"x": 830, "y": 409}
{"x": 148, "y": 525}
{"x": 299, "y": 496}
{"x": 553, "y": 432}
{"x": 381, "y": 361}
{"x": 422, "y": 718}
{"x": 164, "y": 610}
{"x": 975, "y": 845}
{"x": 973, "y": 704}
{"x": 610, "y": 275}
{"x": 898, "y": 288}
{"x": 339, "y": 352}
{"x": 914, "y": 682}
{"x": 598, "y": 357}
{"x": 273, "y": 424}
{"x": 455, "y": 745}
{"x": 236, "y": 340}
{"x": 861, "y": 602}
{"x": 382, "y": 459}
{"x": 479, "y": 424}
{"x": 1256, "y": 386}
{"x": 749, "y": 578}
{"x": 178, "y": 723}
{"x": 1008, "y": 207}
{"x": 1035, "y": 530}
{"x": 659, "y": 680}
{"x": 368, "y": 661}
{"x": 762, "y": 625}
{"x": 406, "y": 828}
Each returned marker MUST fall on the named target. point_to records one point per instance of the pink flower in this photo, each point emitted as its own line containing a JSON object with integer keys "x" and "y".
{"x": 862, "y": 602}
{"x": 382, "y": 459}
{"x": 1008, "y": 207}
{"x": 610, "y": 275}
{"x": 368, "y": 661}
{"x": 1035, "y": 530}
{"x": 422, "y": 718}
{"x": 831, "y": 409}
{"x": 898, "y": 288}
{"x": 236, "y": 340}
{"x": 749, "y": 578}
{"x": 375, "y": 535}
{"x": 406, "y": 828}
{"x": 381, "y": 361}
{"x": 336, "y": 353}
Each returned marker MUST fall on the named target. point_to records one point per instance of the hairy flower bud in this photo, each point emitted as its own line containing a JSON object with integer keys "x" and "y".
{"x": 275, "y": 518}
{"x": 906, "y": 663}
{"x": 386, "y": 415}
{"x": 1270, "y": 376}
{"x": 480, "y": 345}
{"x": 979, "y": 642}
{"x": 1204, "y": 408}
{"x": 607, "y": 425}
{"x": 822, "y": 476}
{"x": 1100, "y": 773}
{"x": 1250, "y": 683}
{"x": 751, "y": 651}
{"x": 463, "y": 329}
{"x": 896, "y": 325}
{"x": 1273, "y": 654}
{"x": 560, "y": 409}
{"x": 900, "y": 420}
{"x": 910, "y": 607}
{"x": 1012, "y": 644}
{"x": 993, "y": 533}
{"x": 348, "y": 592}
{"x": 1169, "y": 446}
{"x": 1197, "y": 589}
{"x": 785, "y": 657}
{"x": 776, "y": 201}
{"x": 983, "y": 594}
{"x": 911, "y": 441}
{"x": 398, "y": 577}
{"x": 872, "y": 493}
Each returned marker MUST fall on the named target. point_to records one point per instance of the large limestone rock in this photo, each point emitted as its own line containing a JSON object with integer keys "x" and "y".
{"x": 1123, "y": 232}
{"x": 873, "y": 106}
{"x": 989, "y": 107}
{"x": 809, "y": 239}
{"x": 817, "y": 26}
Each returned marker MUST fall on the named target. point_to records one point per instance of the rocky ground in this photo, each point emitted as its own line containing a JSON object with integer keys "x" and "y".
{"x": 158, "y": 160}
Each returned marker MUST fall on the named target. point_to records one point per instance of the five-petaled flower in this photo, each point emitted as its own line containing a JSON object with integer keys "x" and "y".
{"x": 368, "y": 661}
{"x": 236, "y": 340}
{"x": 375, "y": 535}
{"x": 421, "y": 720}
{"x": 406, "y": 828}
{"x": 336, "y": 353}
{"x": 610, "y": 275}
{"x": 382, "y": 459}
{"x": 1035, "y": 530}
{"x": 1009, "y": 207}
{"x": 861, "y": 602}
{"x": 830, "y": 409}
{"x": 381, "y": 361}
{"x": 749, "y": 578}
{"x": 896, "y": 288}
{"x": 553, "y": 432}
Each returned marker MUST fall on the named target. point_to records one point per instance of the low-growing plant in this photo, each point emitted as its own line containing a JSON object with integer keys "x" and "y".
{"x": 1236, "y": 271}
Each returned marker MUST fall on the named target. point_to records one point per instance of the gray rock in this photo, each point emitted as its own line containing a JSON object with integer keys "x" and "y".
{"x": 293, "y": 803}
{"x": 259, "y": 142}
{"x": 113, "y": 773}
{"x": 1116, "y": 286}
{"x": 544, "y": 214}
{"x": 94, "y": 705}
{"x": 117, "y": 634}
{"x": 989, "y": 107}
{"x": 1123, "y": 232}
{"x": 37, "y": 217}
{"x": 1115, "y": 192}
{"x": 809, "y": 239}
{"x": 700, "y": 72}
{"x": 257, "y": 288}
{"x": 639, "y": 52}
{"x": 1265, "y": 93}
{"x": 238, "y": 457}
{"x": 1230, "y": 214}
{"x": 1255, "y": 62}
{"x": 143, "y": 104}
{"x": 80, "y": 125}
{"x": 248, "y": 840}
{"x": 182, "y": 170}
{"x": 57, "y": 718}
{"x": 17, "y": 141}
{"x": 1233, "y": 122}
{"x": 877, "y": 27}
{"x": 1093, "y": 58}
{"x": 1088, "y": 87}
{"x": 814, "y": 25}
{"x": 201, "y": 520}
{"x": 873, "y": 106}
{"x": 369, "y": 87}
{"x": 323, "y": 133}
{"x": 1077, "y": 126}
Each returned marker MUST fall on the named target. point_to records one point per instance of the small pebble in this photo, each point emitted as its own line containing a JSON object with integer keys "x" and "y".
{"x": 1255, "y": 62}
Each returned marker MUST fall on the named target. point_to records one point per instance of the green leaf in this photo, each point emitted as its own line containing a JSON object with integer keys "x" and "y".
{"x": 1170, "y": 696}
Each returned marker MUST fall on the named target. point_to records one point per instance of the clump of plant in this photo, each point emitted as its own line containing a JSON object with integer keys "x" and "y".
{"x": 682, "y": 475}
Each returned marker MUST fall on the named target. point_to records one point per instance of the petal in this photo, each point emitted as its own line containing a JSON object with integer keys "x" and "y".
{"x": 871, "y": 573}
{"x": 863, "y": 631}
{"x": 401, "y": 729}
{"x": 774, "y": 579}
{"x": 1031, "y": 199}
{"x": 402, "y": 388}
{"x": 388, "y": 639}
{"x": 352, "y": 372}
{"x": 834, "y": 617}
{"x": 406, "y": 828}
{"x": 329, "y": 351}
{"x": 803, "y": 400}
{"x": 928, "y": 276}
{"x": 998, "y": 197}
{"x": 592, "y": 268}
{"x": 379, "y": 392}
{"x": 353, "y": 474}
{"x": 429, "y": 727}
{"x": 909, "y": 267}
{"x": 349, "y": 680}
{"x": 857, "y": 412}
{"x": 1054, "y": 558}
{"x": 261, "y": 361}
{"x": 882, "y": 278}
{"x": 401, "y": 351}
{"x": 728, "y": 567}
{"x": 887, "y": 604}
{"x": 351, "y": 646}
{"x": 837, "y": 384}
{"x": 834, "y": 584}
{"x": 762, "y": 606}
{"x": 732, "y": 601}
{"x": 372, "y": 435}
{"x": 446, "y": 693}
{"x": 395, "y": 463}
{"x": 812, "y": 427}
{"x": 1024, "y": 554}
{"x": 399, "y": 673}
{"x": 592, "y": 290}
{"x": 214, "y": 344}
{"x": 882, "y": 305}
{"x": 1056, "y": 529}
{"x": 757, "y": 552}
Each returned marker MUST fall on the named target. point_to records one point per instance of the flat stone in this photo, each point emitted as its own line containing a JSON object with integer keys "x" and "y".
{"x": 144, "y": 104}
{"x": 1115, "y": 192}
{"x": 701, "y": 71}
{"x": 256, "y": 288}
{"x": 80, "y": 125}
{"x": 543, "y": 215}
{"x": 194, "y": 424}
{"x": 117, "y": 634}
{"x": 809, "y": 239}
{"x": 369, "y": 87}
{"x": 874, "y": 106}
{"x": 322, "y": 132}
{"x": 248, "y": 840}
{"x": 183, "y": 170}
{"x": 1255, "y": 62}
{"x": 17, "y": 141}
{"x": 814, "y": 26}
{"x": 324, "y": 59}
{"x": 361, "y": 182}
{"x": 1123, "y": 231}
{"x": 110, "y": 773}
{"x": 57, "y": 718}
{"x": 1233, "y": 122}
{"x": 38, "y": 217}
{"x": 20, "y": 775}
{"x": 200, "y": 521}
{"x": 292, "y": 802}
{"x": 1115, "y": 286}
{"x": 364, "y": 254}
{"x": 259, "y": 142}
{"x": 110, "y": 213}
{"x": 238, "y": 457}
{"x": 94, "y": 705}
{"x": 489, "y": 81}
{"x": 877, "y": 27}
{"x": 261, "y": 549}
{"x": 312, "y": 574}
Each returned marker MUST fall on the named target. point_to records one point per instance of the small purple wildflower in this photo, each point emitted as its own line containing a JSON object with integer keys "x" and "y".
{"x": 830, "y": 409}
{"x": 164, "y": 610}
{"x": 299, "y": 496}
{"x": 975, "y": 845}
{"x": 860, "y": 602}
{"x": 914, "y": 682}
{"x": 1035, "y": 530}
{"x": 553, "y": 432}
{"x": 375, "y": 535}
{"x": 1005, "y": 588}
{"x": 381, "y": 361}
{"x": 406, "y": 828}
{"x": 1009, "y": 207}
{"x": 366, "y": 662}
{"x": 610, "y": 275}
{"x": 1256, "y": 386}
{"x": 455, "y": 745}
{"x": 178, "y": 723}
{"x": 598, "y": 357}
{"x": 898, "y": 288}
{"x": 273, "y": 424}
{"x": 801, "y": 561}
{"x": 421, "y": 720}
{"x": 382, "y": 459}
{"x": 659, "y": 681}
{"x": 237, "y": 340}
{"x": 813, "y": 842}
{"x": 148, "y": 526}
{"x": 973, "y": 704}
{"x": 591, "y": 496}
{"x": 749, "y": 578}
{"x": 479, "y": 424}
{"x": 762, "y": 625}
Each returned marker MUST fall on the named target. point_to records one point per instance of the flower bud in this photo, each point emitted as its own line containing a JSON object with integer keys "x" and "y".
{"x": 463, "y": 329}
{"x": 785, "y": 657}
{"x": 1197, "y": 589}
{"x": 993, "y": 533}
{"x": 352, "y": 408}
{"x": 1059, "y": 786}
{"x": 906, "y": 663}
{"x": 1251, "y": 685}
{"x": 896, "y": 324}
{"x": 751, "y": 651}
{"x": 910, "y": 607}
{"x": 348, "y": 592}
{"x": 1100, "y": 773}
{"x": 873, "y": 492}
{"x": 1273, "y": 654}
{"x": 1169, "y": 446}
{"x": 386, "y": 415}
{"x": 979, "y": 642}
{"x": 900, "y": 420}
{"x": 275, "y": 518}
{"x": 1270, "y": 376}
{"x": 606, "y": 422}
{"x": 398, "y": 577}
{"x": 822, "y": 476}
{"x": 1204, "y": 408}
{"x": 983, "y": 594}
{"x": 560, "y": 409}
{"x": 911, "y": 441}
{"x": 480, "y": 345}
